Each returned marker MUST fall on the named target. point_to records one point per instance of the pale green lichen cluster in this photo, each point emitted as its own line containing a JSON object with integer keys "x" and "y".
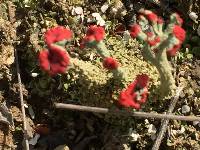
{"x": 93, "y": 85}
{"x": 156, "y": 54}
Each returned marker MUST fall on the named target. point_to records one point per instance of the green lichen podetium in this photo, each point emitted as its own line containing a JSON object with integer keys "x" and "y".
{"x": 94, "y": 85}
{"x": 159, "y": 58}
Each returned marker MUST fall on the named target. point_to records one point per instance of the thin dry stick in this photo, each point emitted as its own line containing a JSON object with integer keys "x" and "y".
{"x": 165, "y": 122}
{"x": 125, "y": 113}
{"x": 22, "y": 102}
{"x": 11, "y": 11}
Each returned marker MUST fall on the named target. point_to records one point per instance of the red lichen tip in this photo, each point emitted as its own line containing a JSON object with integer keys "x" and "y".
{"x": 43, "y": 59}
{"x": 142, "y": 80}
{"x": 152, "y": 17}
{"x": 96, "y": 33}
{"x": 160, "y": 20}
{"x": 173, "y": 50}
{"x": 136, "y": 93}
{"x": 57, "y": 34}
{"x": 110, "y": 63}
{"x": 179, "y": 33}
{"x": 54, "y": 61}
{"x": 135, "y": 30}
{"x": 154, "y": 41}
{"x": 149, "y": 34}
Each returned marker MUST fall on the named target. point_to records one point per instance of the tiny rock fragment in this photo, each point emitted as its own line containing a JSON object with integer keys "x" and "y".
{"x": 104, "y": 8}
{"x": 99, "y": 19}
{"x": 134, "y": 136}
{"x": 34, "y": 74}
{"x": 25, "y": 105}
{"x": 185, "y": 109}
{"x": 193, "y": 16}
{"x": 77, "y": 11}
{"x": 152, "y": 129}
{"x": 146, "y": 121}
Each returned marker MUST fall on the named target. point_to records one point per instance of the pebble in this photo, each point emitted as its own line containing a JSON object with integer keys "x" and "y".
{"x": 185, "y": 109}
{"x": 104, "y": 8}
{"x": 193, "y": 16}
{"x": 34, "y": 74}
{"x": 152, "y": 129}
{"x": 134, "y": 136}
{"x": 77, "y": 11}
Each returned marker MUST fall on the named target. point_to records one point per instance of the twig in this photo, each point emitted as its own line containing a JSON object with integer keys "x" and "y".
{"x": 22, "y": 102}
{"x": 11, "y": 12}
{"x": 125, "y": 113}
{"x": 165, "y": 122}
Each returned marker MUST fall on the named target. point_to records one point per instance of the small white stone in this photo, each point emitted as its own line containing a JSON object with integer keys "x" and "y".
{"x": 185, "y": 109}
{"x": 193, "y": 16}
{"x": 134, "y": 136}
{"x": 79, "y": 10}
{"x": 146, "y": 121}
{"x": 104, "y": 8}
{"x": 99, "y": 19}
{"x": 34, "y": 74}
{"x": 25, "y": 105}
{"x": 101, "y": 22}
{"x": 96, "y": 15}
{"x": 152, "y": 129}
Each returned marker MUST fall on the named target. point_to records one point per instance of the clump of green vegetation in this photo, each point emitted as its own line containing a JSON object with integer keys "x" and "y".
{"x": 93, "y": 85}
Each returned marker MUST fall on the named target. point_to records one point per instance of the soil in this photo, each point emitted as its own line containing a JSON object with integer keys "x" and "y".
{"x": 81, "y": 130}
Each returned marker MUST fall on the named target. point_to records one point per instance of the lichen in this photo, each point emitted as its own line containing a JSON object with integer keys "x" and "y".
{"x": 93, "y": 85}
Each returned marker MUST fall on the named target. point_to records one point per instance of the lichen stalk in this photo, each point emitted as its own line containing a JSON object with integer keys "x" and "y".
{"x": 158, "y": 43}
